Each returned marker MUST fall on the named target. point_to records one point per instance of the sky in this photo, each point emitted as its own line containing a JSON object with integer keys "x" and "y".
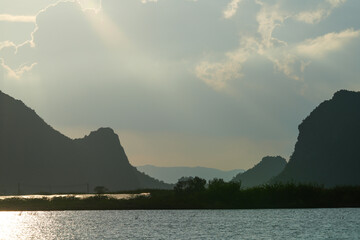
{"x": 214, "y": 83}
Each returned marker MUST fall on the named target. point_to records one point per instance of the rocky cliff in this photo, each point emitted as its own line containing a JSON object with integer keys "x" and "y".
{"x": 36, "y": 158}
{"x": 328, "y": 146}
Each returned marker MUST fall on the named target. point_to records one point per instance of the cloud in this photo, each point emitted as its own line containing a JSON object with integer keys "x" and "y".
{"x": 312, "y": 16}
{"x": 218, "y": 74}
{"x": 231, "y": 8}
{"x": 16, "y": 18}
{"x": 33, "y": 19}
{"x": 148, "y": 1}
{"x": 318, "y": 47}
{"x": 92, "y": 5}
{"x": 289, "y": 59}
{"x": 321, "y": 12}
{"x": 7, "y": 44}
{"x": 277, "y": 51}
{"x": 336, "y": 3}
{"x": 268, "y": 18}
{"x": 16, "y": 73}
{"x": 292, "y": 60}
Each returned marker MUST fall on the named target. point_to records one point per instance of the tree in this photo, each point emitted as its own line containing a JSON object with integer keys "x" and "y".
{"x": 190, "y": 184}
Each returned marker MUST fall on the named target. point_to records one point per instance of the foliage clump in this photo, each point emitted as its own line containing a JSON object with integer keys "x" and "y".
{"x": 190, "y": 184}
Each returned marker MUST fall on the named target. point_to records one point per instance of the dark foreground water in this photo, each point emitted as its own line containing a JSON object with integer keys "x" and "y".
{"x": 180, "y": 224}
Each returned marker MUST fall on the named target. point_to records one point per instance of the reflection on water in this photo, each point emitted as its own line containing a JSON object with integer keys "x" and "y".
{"x": 80, "y": 196}
{"x": 183, "y": 224}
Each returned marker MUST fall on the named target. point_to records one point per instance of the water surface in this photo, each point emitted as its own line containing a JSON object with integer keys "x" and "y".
{"x": 183, "y": 224}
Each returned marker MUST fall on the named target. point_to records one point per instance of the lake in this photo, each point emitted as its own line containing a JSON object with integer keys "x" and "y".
{"x": 183, "y": 224}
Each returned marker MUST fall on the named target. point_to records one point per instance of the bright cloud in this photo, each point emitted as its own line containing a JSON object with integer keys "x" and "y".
{"x": 321, "y": 12}
{"x": 16, "y": 18}
{"x": 268, "y": 19}
{"x": 148, "y": 1}
{"x": 7, "y": 44}
{"x": 312, "y": 16}
{"x": 336, "y": 3}
{"x": 218, "y": 74}
{"x": 318, "y": 47}
{"x": 231, "y": 8}
{"x": 90, "y": 4}
{"x": 16, "y": 73}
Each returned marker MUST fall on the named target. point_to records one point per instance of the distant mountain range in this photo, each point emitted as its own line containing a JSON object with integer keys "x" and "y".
{"x": 172, "y": 174}
{"x": 328, "y": 146}
{"x": 34, "y": 157}
{"x": 262, "y": 172}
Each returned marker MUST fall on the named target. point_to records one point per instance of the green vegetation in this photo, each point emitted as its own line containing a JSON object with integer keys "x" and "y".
{"x": 192, "y": 194}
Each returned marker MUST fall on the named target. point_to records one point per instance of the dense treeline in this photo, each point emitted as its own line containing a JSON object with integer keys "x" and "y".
{"x": 193, "y": 193}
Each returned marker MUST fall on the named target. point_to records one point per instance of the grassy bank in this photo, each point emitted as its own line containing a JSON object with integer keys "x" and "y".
{"x": 225, "y": 196}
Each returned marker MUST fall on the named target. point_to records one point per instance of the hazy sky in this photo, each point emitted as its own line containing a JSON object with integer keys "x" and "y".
{"x": 216, "y": 83}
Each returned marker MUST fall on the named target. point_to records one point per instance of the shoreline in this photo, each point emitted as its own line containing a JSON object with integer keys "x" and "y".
{"x": 289, "y": 196}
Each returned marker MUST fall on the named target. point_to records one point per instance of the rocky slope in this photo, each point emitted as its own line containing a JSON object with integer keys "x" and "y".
{"x": 328, "y": 146}
{"x": 36, "y": 158}
{"x": 262, "y": 172}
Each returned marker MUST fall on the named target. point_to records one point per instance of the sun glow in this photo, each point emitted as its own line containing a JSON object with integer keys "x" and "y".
{"x": 107, "y": 30}
{"x": 10, "y": 225}
{"x": 90, "y": 4}
{"x": 119, "y": 44}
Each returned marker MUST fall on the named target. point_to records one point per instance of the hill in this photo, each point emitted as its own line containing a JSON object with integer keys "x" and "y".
{"x": 36, "y": 158}
{"x": 172, "y": 174}
{"x": 328, "y": 145}
{"x": 262, "y": 172}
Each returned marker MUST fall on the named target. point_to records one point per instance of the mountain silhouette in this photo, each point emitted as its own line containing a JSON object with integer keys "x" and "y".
{"x": 173, "y": 174}
{"x": 328, "y": 146}
{"x": 262, "y": 172}
{"x": 34, "y": 157}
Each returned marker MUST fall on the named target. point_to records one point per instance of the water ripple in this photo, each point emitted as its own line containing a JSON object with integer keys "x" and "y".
{"x": 183, "y": 224}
